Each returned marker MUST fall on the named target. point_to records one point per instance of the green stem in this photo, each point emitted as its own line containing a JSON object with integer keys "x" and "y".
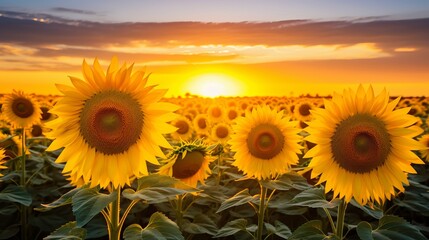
{"x": 331, "y": 222}
{"x": 115, "y": 209}
{"x": 219, "y": 172}
{"x": 340, "y": 218}
{"x": 261, "y": 212}
{"x": 179, "y": 211}
{"x": 127, "y": 211}
{"x": 22, "y": 183}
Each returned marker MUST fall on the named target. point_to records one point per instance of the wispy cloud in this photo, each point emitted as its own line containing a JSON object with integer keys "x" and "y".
{"x": 72, "y": 10}
{"x": 29, "y": 39}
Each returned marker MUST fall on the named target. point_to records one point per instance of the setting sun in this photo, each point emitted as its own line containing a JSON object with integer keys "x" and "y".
{"x": 214, "y": 85}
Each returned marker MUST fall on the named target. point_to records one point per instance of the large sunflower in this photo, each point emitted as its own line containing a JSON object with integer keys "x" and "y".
{"x": 265, "y": 142}
{"x": 188, "y": 162}
{"x": 20, "y": 109}
{"x": 109, "y": 125}
{"x": 363, "y": 146}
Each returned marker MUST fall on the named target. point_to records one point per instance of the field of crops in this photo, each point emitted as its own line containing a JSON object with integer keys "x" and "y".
{"x": 112, "y": 158}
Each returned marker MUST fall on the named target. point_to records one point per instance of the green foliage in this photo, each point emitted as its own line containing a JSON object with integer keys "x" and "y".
{"x": 88, "y": 202}
{"x": 312, "y": 230}
{"x": 159, "y": 227}
{"x": 238, "y": 199}
{"x": 16, "y": 194}
{"x": 68, "y": 231}
{"x": 389, "y": 227}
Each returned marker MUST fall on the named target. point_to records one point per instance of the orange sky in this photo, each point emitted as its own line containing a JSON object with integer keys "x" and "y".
{"x": 245, "y": 58}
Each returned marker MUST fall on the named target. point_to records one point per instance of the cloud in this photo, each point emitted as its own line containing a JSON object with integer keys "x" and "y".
{"x": 72, "y": 10}
{"x": 28, "y": 38}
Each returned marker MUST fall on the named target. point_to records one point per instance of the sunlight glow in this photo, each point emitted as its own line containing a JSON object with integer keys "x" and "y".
{"x": 214, "y": 85}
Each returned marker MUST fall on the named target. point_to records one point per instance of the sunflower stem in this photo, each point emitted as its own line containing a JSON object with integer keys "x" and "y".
{"x": 179, "y": 211}
{"x": 261, "y": 212}
{"x": 340, "y": 219}
{"x": 331, "y": 222}
{"x": 23, "y": 184}
{"x": 219, "y": 173}
{"x": 115, "y": 209}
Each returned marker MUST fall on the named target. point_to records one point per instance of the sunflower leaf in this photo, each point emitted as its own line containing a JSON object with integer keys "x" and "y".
{"x": 310, "y": 230}
{"x": 157, "y": 180}
{"x": 68, "y": 231}
{"x": 159, "y": 227}
{"x": 232, "y": 227}
{"x": 286, "y": 182}
{"x": 238, "y": 199}
{"x": 154, "y": 194}
{"x": 389, "y": 227}
{"x": 65, "y": 199}
{"x": 87, "y": 203}
{"x": 16, "y": 194}
{"x": 313, "y": 198}
{"x": 373, "y": 212}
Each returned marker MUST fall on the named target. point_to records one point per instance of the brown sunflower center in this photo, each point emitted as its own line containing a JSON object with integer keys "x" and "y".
{"x": 45, "y": 113}
{"x": 232, "y": 115}
{"x": 22, "y": 107}
{"x": 222, "y": 132}
{"x": 360, "y": 143}
{"x": 36, "y": 131}
{"x": 182, "y": 126}
{"x": 216, "y": 112}
{"x": 304, "y": 110}
{"x": 265, "y": 141}
{"x": 202, "y": 123}
{"x": 111, "y": 122}
{"x": 189, "y": 165}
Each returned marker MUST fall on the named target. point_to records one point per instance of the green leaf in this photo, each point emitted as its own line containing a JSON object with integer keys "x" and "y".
{"x": 280, "y": 230}
{"x": 375, "y": 213}
{"x": 287, "y": 181}
{"x": 232, "y": 228}
{"x": 311, "y": 230}
{"x": 16, "y": 194}
{"x": 159, "y": 227}
{"x": 9, "y": 232}
{"x": 87, "y": 203}
{"x": 389, "y": 227}
{"x": 201, "y": 224}
{"x": 238, "y": 199}
{"x": 68, "y": 231}
{"x": 154, "y": 194}
{"x": 65, "y": 199}
{"x": 314, "y": 198}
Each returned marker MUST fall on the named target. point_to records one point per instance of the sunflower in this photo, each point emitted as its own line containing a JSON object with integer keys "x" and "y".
{"x": 265, "y": 142}
{"x": 20, "y": 109}
{"x": 2, "y": 157}
{"x": 363, "y": 146}
{"x": 201, "y": 124}
{"x": 109, "y": 124}
{"x": 221, "y": 132}
{"x": 302, "y": 110}
{"x": 215, "y": 113}
{"x": 37, "y": 130}
{"x": 188, "y": 162}
{"x": 425, "y": 152}
{"x": 184, "y": 128}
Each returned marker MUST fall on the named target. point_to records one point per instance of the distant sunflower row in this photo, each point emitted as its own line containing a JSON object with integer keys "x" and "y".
{"x": 111, "y": 125}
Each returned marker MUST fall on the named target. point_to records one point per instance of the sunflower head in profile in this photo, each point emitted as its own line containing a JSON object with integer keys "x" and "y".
{"x": 184, "y": 128}
{"x": 265, "y": 142}
{"x": 188, "y": 162}
{"x": 2, "y": 161}
{"x": 364, "y": 146}
{"x": 20, "y": 109}
{"x": 110, "y": 124}
{"x": 424, "y": 140}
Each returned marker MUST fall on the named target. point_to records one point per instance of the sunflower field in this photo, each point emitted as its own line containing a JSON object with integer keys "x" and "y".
{"x": 113, "y": 158}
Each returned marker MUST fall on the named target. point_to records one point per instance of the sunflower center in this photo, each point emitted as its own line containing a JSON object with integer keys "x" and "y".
{"x": 222, "y": 132}
{"x": 22, "y": 107}
{"x": 202, "y": 123}
{"x": 216, "y": 112}
{"x": 182, "y": 126}
{"x": 304, "y": 110}
{"x": 36, "y": 131}
{"x": 265, "y": 141}
{"x": 360, "y": 143}
{"x": 232, "y": 115}
{"x": 111, "y": 122}
{"x": 189, "y": 165}
{"x": 45, "y": 113}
